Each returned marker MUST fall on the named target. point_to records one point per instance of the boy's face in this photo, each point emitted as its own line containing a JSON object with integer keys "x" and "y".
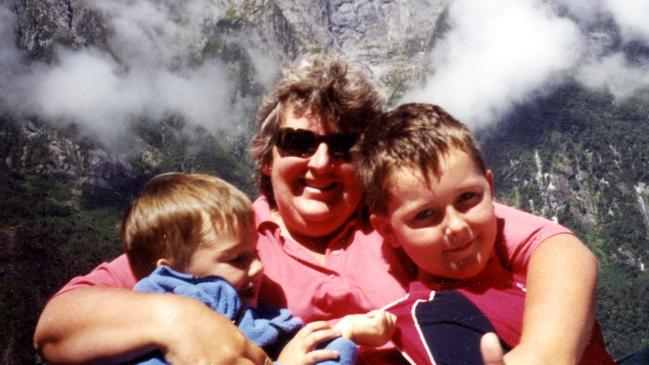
{"x": 234, "y": 258}
{"x": 447, "y": 227}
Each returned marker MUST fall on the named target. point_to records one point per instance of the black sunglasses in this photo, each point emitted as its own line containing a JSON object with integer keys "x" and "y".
{"x": 304, "y": 143}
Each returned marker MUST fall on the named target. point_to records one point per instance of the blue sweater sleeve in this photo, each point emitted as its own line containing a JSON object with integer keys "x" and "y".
{"x": 265, "y": 327}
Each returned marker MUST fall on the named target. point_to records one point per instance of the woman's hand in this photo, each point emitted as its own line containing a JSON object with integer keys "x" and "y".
{"x": 194, "y": 334}
{"x": 300, "y": 350}
{"x": 96, "y": 324}
{"x": 374, "y": 328}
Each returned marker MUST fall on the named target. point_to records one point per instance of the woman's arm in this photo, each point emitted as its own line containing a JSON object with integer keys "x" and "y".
{"x": 559, "y": 305}
{"x": 98, "y": 324}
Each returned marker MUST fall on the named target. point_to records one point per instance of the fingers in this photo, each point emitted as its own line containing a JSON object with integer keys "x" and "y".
{"x": 492, "y": 352}
{"x": 382, "y": 317}
{"x": 315, "y": 333}
{"x": 389, "y": 319}
{"x": 315, "y": 356}
{"x": 300, "y": 350}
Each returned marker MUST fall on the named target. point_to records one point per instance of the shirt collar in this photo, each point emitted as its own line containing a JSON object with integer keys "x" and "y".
{"x": 263, "y": 214}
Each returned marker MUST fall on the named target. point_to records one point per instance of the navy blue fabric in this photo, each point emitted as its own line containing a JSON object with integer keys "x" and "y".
{"x": 452, "y": 327}
{"x": 639, "y": 358}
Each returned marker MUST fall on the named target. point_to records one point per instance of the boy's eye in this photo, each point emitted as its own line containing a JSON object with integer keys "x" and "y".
{"x": 467, "y": 196}
{"x": 428, "y": 214}
{"x": 469, "y": 199}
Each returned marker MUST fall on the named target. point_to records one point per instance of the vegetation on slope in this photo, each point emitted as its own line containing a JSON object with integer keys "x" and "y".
{"x": 578, "y": 156}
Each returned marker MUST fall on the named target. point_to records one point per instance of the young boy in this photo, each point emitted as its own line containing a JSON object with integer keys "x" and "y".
{"x": 482, "y": 267}
{"x": 194, "y": 235}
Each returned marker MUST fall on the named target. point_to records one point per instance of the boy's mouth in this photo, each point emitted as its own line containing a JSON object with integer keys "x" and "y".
{"x": 459, "y": 249}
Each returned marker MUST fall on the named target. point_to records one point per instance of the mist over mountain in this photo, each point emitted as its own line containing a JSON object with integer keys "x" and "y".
{"x": 98, "y": 96}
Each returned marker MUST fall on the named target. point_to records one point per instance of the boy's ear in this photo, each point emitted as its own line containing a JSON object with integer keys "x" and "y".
{"x": 489, "y": 175}
{"x": 383, "y": 226}
{"x": 163, "y": 262}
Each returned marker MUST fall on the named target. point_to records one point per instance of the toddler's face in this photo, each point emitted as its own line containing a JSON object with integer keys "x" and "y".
{"x": 447, "y": 226}
{"x": 234, "y": 258}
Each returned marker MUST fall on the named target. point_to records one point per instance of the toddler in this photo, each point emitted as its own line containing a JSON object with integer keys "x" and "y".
{"x": 194, "y": 235}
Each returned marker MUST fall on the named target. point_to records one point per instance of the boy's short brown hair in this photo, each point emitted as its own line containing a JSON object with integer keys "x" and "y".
{"x": 413, "y": 135}
{"x": 175, "y": 213}
{"x": 340, "y": 91}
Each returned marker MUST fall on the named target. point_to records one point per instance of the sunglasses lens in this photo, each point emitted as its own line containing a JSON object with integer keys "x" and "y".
{"x": 297, "y": 142}
{"x": 340, "y": 144}
{"x": 304, "y": 143}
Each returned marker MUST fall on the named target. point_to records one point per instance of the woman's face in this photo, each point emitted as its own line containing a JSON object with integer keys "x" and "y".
{"x": 315, "y": 194}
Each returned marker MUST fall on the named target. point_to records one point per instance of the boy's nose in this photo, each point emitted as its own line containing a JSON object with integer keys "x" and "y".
{"x": 456, "y": 225}
{"x": 256, "y": 268}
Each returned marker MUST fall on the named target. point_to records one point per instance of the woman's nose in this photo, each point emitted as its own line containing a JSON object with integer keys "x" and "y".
{"x": 321, "y": 158}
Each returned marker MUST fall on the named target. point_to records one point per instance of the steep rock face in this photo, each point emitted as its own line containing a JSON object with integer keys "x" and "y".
{"x": 588, "y": 169}
{"x": 391, "y": 36}
{"x": 31, "y": 147}
{"x": 41, "y": 24}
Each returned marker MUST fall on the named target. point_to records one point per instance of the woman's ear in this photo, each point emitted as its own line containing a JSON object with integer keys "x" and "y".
{"x": 489, "y": 175}
{"x": 383, "y": 226}
{"x": 266, "y": 168}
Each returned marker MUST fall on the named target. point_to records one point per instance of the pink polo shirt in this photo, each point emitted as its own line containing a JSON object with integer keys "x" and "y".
{"x": 359, "y": 273}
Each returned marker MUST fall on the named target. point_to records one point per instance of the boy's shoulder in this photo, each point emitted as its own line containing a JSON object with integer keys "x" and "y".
{"x": 512, "y": 220}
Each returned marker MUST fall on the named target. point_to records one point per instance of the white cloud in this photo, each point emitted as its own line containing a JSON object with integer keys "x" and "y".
{"x": 586, "y": 11}
{"x": 614, "y": 73}
{"x": 500, "y": 53}
{"x": 154, "y": 68}
{"x": 632, "y": 16}
{"x": 497, "y": 54}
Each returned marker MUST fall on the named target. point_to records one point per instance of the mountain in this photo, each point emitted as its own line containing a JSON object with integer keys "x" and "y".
{"x": 581, "y": 158}
{"x": 571, "y": 152}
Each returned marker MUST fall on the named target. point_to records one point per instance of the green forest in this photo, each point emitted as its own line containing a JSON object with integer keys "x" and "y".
{"x": 594, "y": 150}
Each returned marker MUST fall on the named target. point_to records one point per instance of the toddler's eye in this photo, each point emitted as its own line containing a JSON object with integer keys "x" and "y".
{"x": 238, "y": 260}
{"x": 424, "y": 214}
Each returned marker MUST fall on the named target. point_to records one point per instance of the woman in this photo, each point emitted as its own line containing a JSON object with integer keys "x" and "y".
{"x": 321, "y": 259}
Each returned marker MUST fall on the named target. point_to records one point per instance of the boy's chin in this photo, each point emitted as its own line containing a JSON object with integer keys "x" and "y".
{"x": 251, "y": 302}
{"x": 250, "y": 298}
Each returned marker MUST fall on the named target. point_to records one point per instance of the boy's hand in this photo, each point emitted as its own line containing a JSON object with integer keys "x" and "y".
{"x": 492, "y": 352}
{"x": 300, "y": 350}
{"x": 374, "y": 328}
